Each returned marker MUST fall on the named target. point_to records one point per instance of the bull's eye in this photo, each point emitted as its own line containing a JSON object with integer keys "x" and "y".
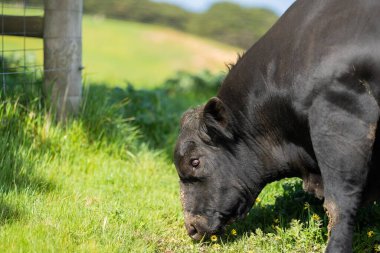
{"x": 195, "y": 163}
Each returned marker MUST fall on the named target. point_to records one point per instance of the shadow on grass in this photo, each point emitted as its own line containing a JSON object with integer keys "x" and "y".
{"x": 294, "y": 203}
{"x": 19, "y": 160}
{"x": 8, "y": 213}
{"x": 299, "y": 205}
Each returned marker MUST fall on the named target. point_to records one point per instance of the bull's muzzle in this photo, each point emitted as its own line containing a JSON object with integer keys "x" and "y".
{"x": 196, "y": 226}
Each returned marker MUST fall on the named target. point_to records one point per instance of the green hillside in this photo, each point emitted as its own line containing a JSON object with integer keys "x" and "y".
{"x": 145, "y": 55}
{"x": 224, "y": 21}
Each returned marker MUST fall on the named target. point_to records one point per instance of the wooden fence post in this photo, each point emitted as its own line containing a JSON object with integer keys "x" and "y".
{"x": 63, "y": 55}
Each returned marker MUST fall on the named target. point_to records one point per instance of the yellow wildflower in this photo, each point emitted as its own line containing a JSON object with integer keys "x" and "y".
{"x": 376, "y": 248}
{"x": 213, "y": 238}
{"x": 233, "y": 232}
{"x": 258, "y": 200}
{"x": 370, "y": 234}
{"x": 316, "y": 217}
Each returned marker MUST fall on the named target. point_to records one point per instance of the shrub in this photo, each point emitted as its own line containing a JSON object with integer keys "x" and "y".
{"x": 156, "y": 112}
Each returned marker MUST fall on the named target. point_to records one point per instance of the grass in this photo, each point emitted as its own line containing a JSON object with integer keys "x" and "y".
{"x": 118, "y": 51}
{"x": 105, "y": 182}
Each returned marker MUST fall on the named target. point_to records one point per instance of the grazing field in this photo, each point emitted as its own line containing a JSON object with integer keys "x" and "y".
{"x": 105, "y": 181}
{"x": 117, "y": 52}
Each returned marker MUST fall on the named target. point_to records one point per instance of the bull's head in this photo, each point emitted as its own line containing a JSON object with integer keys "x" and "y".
{"x": 212, "y": 161}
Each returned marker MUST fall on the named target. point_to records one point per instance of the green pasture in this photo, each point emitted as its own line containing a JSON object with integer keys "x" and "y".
{"x": 105, "y": 181}
{"x": 117, "y": 52}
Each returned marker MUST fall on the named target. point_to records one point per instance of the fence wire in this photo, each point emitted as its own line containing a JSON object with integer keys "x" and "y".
{"x": 21, "y": 56}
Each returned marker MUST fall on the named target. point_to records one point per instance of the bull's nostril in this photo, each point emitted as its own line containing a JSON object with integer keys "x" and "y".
{"x": 194, "y": 233}
{"x": 192, "y": 230}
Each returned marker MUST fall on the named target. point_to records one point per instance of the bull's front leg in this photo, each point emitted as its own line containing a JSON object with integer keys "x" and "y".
{"x": 343, "y": 124}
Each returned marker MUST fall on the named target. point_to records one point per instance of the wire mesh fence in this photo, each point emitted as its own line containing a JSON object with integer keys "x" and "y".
{"x": 21, "y": 62}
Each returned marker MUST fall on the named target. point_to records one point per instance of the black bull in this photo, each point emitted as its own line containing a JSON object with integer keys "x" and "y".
{"x": 302, "y": 102}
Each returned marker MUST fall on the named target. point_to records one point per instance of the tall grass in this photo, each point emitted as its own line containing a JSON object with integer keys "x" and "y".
{"x": 156, "y": 112}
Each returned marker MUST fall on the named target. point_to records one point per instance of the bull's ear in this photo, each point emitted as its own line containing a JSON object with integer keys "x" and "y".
{"x": 217, "y": 118}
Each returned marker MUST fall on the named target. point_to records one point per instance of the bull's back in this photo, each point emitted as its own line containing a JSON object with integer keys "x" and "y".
{"x": 338, "y": 41}
{"x": 323, "y": 39}
{"x": 312, "y": 42}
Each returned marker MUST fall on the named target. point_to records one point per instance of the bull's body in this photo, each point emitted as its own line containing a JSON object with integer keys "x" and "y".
{"x": 303, "y": 101}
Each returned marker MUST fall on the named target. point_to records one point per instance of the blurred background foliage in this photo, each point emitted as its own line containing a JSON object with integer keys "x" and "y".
{"x": 156, "y": 112}
{"x": 224, "y": 21}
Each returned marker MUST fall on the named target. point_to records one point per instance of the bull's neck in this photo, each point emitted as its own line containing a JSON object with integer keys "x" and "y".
{"x": 280, "y": 161}
{"x": 249, "y": 77}
{"x": 275, "y": 136}
{"x": 277, "y": 142}
{"x": 268, "y": 162}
